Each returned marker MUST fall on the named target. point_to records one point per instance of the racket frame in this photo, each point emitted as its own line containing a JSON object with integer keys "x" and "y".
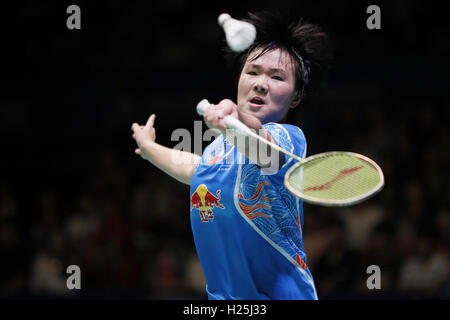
{"x": 335, "y": 202}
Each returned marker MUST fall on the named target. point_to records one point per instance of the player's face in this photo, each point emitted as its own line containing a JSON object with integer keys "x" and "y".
{"x": 266, "y": 86}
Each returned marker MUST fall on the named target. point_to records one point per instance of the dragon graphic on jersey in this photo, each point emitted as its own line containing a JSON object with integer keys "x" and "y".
{"x": 249, "y": 209}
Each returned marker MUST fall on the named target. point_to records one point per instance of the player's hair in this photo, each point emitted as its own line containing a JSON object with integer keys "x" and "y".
{"x": 305, "y": 42}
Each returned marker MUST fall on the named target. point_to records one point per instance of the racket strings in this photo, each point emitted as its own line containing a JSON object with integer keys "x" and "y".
{"x": 335, "y": 177}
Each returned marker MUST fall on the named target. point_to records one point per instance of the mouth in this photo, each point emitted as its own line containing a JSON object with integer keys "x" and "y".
{"x": 256, "y": 103}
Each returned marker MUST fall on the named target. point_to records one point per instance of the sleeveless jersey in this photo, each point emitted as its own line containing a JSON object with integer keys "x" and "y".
{"x": 247, "y": 226}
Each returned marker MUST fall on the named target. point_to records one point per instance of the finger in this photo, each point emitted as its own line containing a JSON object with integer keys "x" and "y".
{"x": 222, "y": 124}
{"x": 221, "y": 113}
{"x": 134, "y": 126}
{"x": 227, "y": 104}
{"x": 151, "y": 121}
{"x": 208, "y": 116}
{"x": 217, "y": 116}
{"x": 210, "y": 109}
{"x": 213, "y": 121}
{"x": 207, "y": 113}
{"x": 137, "y": 151}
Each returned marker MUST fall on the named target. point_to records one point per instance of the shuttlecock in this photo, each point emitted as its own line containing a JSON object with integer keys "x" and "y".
{"x": 239, "y": 34}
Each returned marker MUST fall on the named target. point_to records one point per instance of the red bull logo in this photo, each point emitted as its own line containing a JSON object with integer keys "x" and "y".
{"x": 204, "y": 201}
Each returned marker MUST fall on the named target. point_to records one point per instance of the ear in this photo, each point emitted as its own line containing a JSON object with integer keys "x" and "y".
{"x": 296, "y": 101}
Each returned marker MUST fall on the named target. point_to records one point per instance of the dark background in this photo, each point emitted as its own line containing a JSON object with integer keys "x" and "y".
{"x": 72, "y": 191}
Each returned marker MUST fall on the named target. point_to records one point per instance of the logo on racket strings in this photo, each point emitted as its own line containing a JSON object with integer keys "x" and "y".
{"x": 342, "y": 174}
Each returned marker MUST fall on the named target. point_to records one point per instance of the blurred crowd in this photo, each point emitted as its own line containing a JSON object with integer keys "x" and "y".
{"x": 405, "y": 230}
{"x": 78, "y": 195}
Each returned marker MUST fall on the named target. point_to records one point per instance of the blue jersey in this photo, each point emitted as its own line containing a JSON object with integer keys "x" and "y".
{"x": 247, "y": 226}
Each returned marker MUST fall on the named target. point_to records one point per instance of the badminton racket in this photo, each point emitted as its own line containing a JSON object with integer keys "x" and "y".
{"x": 336, "y": 178}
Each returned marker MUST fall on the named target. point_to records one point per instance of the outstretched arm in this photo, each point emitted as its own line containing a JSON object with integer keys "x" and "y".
{"x": 178, "y": 164}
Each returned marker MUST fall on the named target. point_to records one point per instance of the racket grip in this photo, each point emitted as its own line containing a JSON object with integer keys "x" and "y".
{"x": 230, "y": 122}
{"x": 202, "y": 106}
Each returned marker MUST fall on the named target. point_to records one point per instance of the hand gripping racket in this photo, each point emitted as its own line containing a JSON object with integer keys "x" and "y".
{"x": 336, "y": 178}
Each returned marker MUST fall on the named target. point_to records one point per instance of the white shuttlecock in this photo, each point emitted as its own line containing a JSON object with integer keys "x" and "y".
{"x": 239, "y": 34}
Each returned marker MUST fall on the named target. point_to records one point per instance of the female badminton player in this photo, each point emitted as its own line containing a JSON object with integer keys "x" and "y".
{"x": 247, "y": 226}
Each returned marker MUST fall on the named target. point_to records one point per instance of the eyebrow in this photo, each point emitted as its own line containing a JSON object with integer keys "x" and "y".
{"x": 272, "y": 70}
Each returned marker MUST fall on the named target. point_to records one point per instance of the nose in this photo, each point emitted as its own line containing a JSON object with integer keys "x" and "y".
{"x": 261, "y": 89}
{"x": 261, "y": 86}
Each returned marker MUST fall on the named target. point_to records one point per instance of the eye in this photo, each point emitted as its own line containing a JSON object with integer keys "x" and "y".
{"x": 252, "y": 73}
{"x": 277, "y": 78}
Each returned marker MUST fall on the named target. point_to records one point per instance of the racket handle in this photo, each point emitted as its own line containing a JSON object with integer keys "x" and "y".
{"x": 202, "y": 106}
{"x": 230, "y": 122}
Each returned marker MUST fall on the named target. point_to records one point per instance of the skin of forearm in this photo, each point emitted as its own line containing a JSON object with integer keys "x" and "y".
{"x": 178, "y": 164}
